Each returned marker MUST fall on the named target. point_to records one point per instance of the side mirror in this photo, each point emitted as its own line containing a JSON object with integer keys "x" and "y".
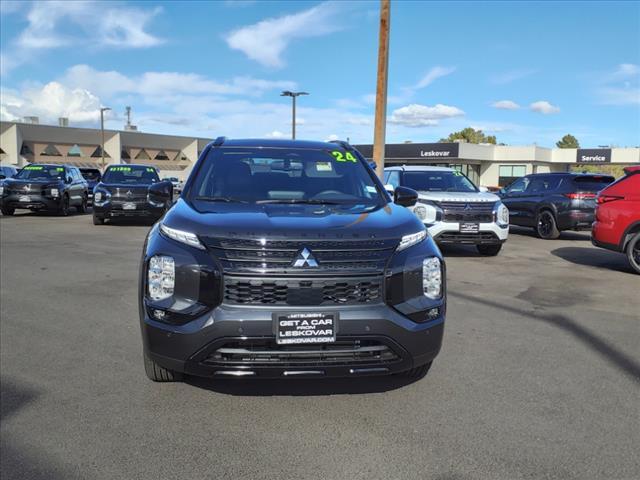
{"x": 2, "y": 176}
{"x": 502, "y": 191}
{"x": 404, "y": 196}
{"x": 389, "y": 188}
{"x": 68, "y": 180}
{"x": 161, "y": 193}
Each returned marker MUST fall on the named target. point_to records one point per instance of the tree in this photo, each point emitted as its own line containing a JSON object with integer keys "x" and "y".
{"x": 470, "y": 135}
{"x": 568, "y": 141}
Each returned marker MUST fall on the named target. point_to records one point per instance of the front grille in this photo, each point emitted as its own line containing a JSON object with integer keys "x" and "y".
{"x": 481, "y": 212}
{"x": 27, "y": 189}
{"x": 277, "y": 257}
{"x": 267, "y": 353}
{"x": 296, "y": 292}
{"x": 471, "y": 238}
{"x": 121, "y": 194}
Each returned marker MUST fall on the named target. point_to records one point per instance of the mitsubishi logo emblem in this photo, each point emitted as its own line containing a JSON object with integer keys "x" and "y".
{"x": 305, "y": 259}
{"x": 129, "y": 194}
{"x": 467, "y": 207}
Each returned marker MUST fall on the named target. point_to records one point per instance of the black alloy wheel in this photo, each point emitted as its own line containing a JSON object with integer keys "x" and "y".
{"x": 633, "y": 252}
{"x": 64, "y": 208}
{"x": 546, "y": 227}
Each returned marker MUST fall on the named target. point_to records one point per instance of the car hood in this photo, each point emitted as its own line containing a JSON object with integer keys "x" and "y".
{"x": 458, "y": 196}
{"x": 287, "y": 221}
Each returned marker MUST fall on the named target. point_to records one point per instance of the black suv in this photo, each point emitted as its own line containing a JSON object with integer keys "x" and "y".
{"x": 287, "y": 259}
{"x": 552, "y": 202}
{"x": 123, "y": 192}
{"x": 43, "y": 187}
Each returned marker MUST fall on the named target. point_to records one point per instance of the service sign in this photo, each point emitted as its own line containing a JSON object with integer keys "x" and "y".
{"x": 593, "y": 155}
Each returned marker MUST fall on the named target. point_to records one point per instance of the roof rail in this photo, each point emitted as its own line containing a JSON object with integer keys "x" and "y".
{"x": 219, "y": 141}
{"x": 342, "y": 143}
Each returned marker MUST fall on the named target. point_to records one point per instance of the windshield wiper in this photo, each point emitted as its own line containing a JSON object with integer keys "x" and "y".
{"x": 221, "y": 199}
{"x": 302, "y": 201}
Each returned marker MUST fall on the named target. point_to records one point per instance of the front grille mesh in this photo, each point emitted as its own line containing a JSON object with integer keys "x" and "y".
{"x": 240, "y": 291}
{"x": 471, "y": 238}
{"x": 481, "y": 212}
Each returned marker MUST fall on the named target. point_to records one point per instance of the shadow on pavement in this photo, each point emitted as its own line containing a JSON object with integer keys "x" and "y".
{"x": 615, "y": 357}
{"x": 594, "y": 257}
{"x": 302, "y": 387}
{"x": 19, "y": 459}
{"x": 566, "y": 235}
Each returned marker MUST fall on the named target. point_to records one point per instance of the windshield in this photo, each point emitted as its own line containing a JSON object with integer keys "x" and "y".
{"x": 40, "y": 172}
{"x": 93, "y": 174}
{"x": 130, "y": 174}
{"x": 285, "y": 175}
{"x": 438, "y": 181}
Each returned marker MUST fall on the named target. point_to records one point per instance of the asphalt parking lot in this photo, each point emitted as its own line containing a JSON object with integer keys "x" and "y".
{"x": 539, "y": 376}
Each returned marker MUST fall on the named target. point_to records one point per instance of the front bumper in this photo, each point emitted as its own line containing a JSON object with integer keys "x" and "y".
{"x": 34, "y": 202}
{"x": 448, "y": 233}
{"x": 194, "y": 348}
{"x": 118, "y": 210}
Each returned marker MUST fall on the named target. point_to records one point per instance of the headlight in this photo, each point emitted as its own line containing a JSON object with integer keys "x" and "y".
{"x": 187, "y": 238}
{"x": 502, "y": 215}
{"x": 432, "y": 277}
{"x": 55, "y": 192}
{"x": 1, "y": 190}
{"x": 161, "y": 277}
{"x": 410, "y": 240}
{"x": 420, "y": 211}
{"x": 100, "y": 197}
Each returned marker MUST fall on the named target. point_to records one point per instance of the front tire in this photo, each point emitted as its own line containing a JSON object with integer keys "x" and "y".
{"x": 159, "y": 374}
{"x": 489, "y": 250}
{"x": 64, "y": 208}
{"x": 546, "y": 226}
{"x": 98, "y": 220}
{"x": 633, "y": 252}
{"x": 8, "y": 211}
{"x": 82, "y": 208}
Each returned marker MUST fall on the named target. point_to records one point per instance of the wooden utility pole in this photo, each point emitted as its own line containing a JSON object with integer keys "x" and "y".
{"x": 381, "y": 88}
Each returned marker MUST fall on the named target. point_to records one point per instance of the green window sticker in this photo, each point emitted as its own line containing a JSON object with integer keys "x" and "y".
{"x": 120, "y": 169}
{"x": 34, "y": 167}
{"x": 60, "y": 169}
{"x": 457, "y": 173}
{"x": 149, "y": 169}
{"x": 343, "y": 157}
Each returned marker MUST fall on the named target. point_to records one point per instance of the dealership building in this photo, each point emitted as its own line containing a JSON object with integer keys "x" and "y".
{"x": 487, "y": 165}
{"x": 498, "y": 165}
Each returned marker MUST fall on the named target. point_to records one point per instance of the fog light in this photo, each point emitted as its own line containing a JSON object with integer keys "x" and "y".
{"x": 433, "y": 313}
{"x": 158, "y": 314}
{"x": 161, "y": 277}
{"x": 54, "y": 192}
{"x": 421, "y": 212}
{"x": 432, "y": 277}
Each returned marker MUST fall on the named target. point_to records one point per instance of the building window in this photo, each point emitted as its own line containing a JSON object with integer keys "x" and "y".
{"x": 161, "y": 156}
{"x": 124, "y": 154}
{"x": 25, "y": 150}
{"x": 97, "y": 153}
{"x": 509, "y": 173}
{"x": 472, "y": 172}
{"x": 75, "y": 151}
{"x": 50, "y": 151}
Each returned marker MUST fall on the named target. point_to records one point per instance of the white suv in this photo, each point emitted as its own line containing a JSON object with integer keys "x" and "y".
{"x": 452, "y": 208}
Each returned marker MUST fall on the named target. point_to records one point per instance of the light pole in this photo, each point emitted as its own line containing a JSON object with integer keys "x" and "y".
{"x": 293, "y": 96}
{"x": 102, "y": 110}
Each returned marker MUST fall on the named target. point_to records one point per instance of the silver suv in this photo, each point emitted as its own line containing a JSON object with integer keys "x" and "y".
{"x": 452, "y": 208}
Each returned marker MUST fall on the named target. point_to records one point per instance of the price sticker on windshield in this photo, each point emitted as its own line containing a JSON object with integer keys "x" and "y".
{"x": 343, "y": 156}
{"x": 34, "y": 167}
{"x": 120, "y": 169}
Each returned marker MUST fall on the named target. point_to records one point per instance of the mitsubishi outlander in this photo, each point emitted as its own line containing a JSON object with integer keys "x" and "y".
{"x": 287, "y": 259}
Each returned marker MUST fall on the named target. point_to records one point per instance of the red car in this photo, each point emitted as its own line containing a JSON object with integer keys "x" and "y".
{"x": 617, "y": 224}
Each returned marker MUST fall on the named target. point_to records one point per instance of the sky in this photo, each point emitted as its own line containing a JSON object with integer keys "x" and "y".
{"x": 526, "y": 72}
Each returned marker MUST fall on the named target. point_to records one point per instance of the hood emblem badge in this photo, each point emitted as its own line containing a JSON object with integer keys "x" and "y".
{"x": 305, "y": 259}
{"x": 129, "y": 194}
{"x": 467, "y": 207}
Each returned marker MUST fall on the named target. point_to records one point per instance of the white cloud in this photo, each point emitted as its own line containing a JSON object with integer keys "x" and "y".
{"x": 511, "y": 76}
{"x": 77, "y": 24}
{"x": 276, "y": 134}
{"x": 621, "y": 87}
{"x": 332, "y": 137}
{"x": 432, "y": 75}
{"x": 505, "y": 105}
{"x": 50, "y": 102}
{"x": 544, "y": 107}
{"x": 266, "y": 41}
{"x": 416, "y": 115}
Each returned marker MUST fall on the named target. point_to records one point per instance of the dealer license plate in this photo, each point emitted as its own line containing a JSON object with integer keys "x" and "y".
{"x": 24, "y": 198}
{"x": 305, "y": 327}
{"x": 129, "y": 206}
{"x": 466, "y": 227}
